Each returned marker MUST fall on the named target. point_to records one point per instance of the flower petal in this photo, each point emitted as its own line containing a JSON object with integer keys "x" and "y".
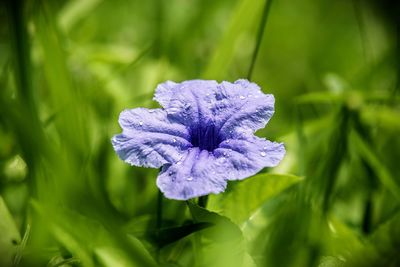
{"x": 199, "y": 173}
{"x": 231, "y": 107}
{"x": 188, "y": 102}
{"x": 164, "y": 92}
{"x": 250, "y": 108}
{"x": 248, "y": 155}
{"x": 149, "y": 138}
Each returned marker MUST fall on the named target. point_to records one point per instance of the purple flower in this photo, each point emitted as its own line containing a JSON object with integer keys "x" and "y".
{"x": 202, "y": 137}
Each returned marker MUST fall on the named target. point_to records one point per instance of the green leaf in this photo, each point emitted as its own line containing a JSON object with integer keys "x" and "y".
{"x": 169, "y": 235}
{"x": 249, "y": 195}
{"x": 224, "y": 229}
{"x": 225, "y": 246}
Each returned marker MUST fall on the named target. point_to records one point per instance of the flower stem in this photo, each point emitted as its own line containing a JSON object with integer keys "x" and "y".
{"x": 203, "y": 201}
{"x": 159, "y": 210}
{"x": 159, "y": 220}
{"x": 260, "y": 34}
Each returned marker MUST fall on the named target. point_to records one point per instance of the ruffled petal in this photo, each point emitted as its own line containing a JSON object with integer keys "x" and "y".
{"x": 150, "y": 139}
{"x": 230, "y": 107}
{"x": 164, "y": 92}
{"x": 188, "y": 102}
{"x": 199, "y": 173}
{"x": 247, "y": 155}
{"x": 250, "y": 109}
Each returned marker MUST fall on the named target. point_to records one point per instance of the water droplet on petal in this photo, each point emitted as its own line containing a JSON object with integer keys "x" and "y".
{"x": 224, "y": 154}
{"x": 151, "y": 110}
{"x": 228, "y": 141}
{"x": 190, "y": 178}
{"x": 140, "y": 123}
{"x": 174, "y": 140}
{"x": 263, "y": 154}
{"x": 265, "y": 148}
{"x": 242, "y": 97}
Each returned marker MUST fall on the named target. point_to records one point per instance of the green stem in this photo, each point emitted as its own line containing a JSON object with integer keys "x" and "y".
{"x": 159, "y": 219}
{"x": 203, "y": 201}
{"x": 159, "y": 210}
{"x": 260, "y": 34}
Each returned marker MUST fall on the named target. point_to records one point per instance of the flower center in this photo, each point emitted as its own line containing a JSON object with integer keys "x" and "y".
{"x": 205, "y": 137}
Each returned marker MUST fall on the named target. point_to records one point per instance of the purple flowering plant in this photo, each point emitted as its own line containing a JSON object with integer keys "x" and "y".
{"x": 202, "y": 137}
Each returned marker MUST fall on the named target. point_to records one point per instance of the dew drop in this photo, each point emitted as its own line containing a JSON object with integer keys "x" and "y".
{"x": 242, "y": 97}
{"x": 263, "y": 154}
{"x": 228, "y": 141}
{"x": 151, "y": 110}
{"x": 140, "y": 123}
{"x": 190, "y": 178}
{"x": 174, "y": 140}
{"x": 170, "y": 173}
{"x": 224, "y": 154}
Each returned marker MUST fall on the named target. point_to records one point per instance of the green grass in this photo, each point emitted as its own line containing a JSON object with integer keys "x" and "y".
{"x": 67, "y": 70}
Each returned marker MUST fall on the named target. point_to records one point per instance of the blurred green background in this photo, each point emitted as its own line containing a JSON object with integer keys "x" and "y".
{"x": 67, "y": 68}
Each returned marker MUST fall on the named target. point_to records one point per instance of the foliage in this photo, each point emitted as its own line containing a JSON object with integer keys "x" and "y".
{"x": 68, "y": 68}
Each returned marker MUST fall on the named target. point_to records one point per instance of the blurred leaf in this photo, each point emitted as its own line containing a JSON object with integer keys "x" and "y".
{"x": 335, "y": 83}
{"x": 84, "y": 236}
{"x": 242, "y": 20}
{"x": 330, "y": 261}
{"x": 381, "y": 248}
{"x": 64, "y": 96}
{"x": 59, "y": 261}
{"x": 373, "y": 160}
{"x": 250, "y": 194}
{"x": 9, "y": 237}
{"x": 320, "y": 97}
{"x": 22, "y": 245}
{"x": 381, "y": 116}
{"x": 74, "y": 11}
